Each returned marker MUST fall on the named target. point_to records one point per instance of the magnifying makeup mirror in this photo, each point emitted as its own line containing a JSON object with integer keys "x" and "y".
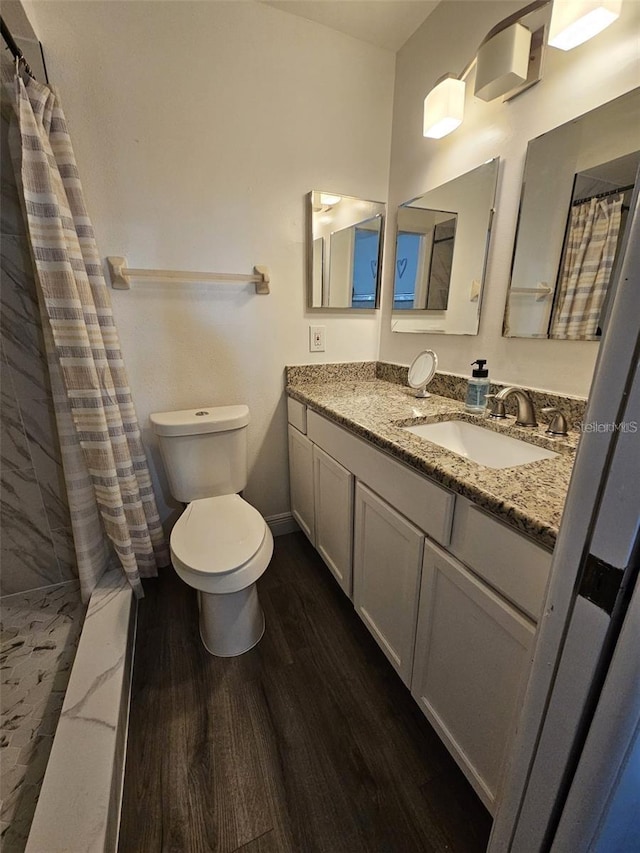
{"x": 422, "y": 371}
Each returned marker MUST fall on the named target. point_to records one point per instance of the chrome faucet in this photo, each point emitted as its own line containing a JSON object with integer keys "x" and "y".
{"x": 526, "y": 415}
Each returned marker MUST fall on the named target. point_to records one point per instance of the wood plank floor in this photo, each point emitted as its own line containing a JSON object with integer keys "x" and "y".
{"x": 310, "y": 742}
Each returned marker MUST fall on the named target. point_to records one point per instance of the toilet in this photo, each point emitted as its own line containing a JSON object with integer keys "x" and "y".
{"x": 220, "y": 545}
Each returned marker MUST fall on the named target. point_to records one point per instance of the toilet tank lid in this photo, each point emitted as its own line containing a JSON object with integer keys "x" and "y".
{"x": 195, "y": 421}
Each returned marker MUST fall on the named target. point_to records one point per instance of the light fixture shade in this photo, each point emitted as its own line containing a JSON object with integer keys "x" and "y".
{"x": 503, "y": 62}
{"x": 444, "y": 108}
{"x": 576, "y": 21}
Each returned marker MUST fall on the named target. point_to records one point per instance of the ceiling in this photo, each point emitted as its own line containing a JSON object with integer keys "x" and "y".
{"x": 385, "y": 23}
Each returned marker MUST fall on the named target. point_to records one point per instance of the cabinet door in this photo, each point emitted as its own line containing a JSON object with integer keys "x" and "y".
{"x": 301, "y": 481}
{"x": 387, "y": 559}
{"x": 472, "y": 658}
{"x": 333, "y": 489}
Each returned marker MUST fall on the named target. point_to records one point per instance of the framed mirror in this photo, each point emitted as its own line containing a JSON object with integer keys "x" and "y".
{"x": 577, "y": 184}
{"x": 442, "y": 239}
{"x": 344, "y": 251}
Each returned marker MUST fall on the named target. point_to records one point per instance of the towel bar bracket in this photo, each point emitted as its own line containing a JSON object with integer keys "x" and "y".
{"x": 262, "y": 287}
{"x": 119, "y": 279}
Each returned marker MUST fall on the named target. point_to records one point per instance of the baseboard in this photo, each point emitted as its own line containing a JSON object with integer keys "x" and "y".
{"x": 282, "y": 523}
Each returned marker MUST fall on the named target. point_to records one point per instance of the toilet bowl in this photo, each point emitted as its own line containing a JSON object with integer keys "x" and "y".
{"x": 221, "y": 546}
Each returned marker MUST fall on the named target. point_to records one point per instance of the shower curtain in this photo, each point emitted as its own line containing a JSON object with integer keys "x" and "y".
{"x": 113, "y": 509}
{"x": 591, "y": 247}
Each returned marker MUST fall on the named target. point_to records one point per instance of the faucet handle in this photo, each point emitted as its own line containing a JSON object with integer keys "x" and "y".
{"x": 497, "y": 407}
{"x": 558, "y": 424}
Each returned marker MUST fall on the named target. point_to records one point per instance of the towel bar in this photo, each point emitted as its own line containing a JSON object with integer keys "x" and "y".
{"x": 121, "y": 275}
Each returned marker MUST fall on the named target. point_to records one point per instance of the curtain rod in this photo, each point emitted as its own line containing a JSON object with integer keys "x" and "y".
{"x": 13, "y": 47}
{"x": 602, "y": 195}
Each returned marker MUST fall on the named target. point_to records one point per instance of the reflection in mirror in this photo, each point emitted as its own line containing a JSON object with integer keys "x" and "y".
{"x": 576, "y": 190}
{"x": 424, "y": 252}
{"x": 344, "y": 247}
{"x": 441, "y": 244}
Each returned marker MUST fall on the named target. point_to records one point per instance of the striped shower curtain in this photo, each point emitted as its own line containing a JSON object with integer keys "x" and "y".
{"x": 591, "y": 247}
{"x": 113, "y": 509}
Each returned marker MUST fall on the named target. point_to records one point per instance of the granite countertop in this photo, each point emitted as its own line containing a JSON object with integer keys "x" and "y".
{"x": 529, "y": 497}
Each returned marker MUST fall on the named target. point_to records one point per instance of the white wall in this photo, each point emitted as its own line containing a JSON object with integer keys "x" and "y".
{"x": 573, "y": 83}
{"x": 198, "y": 129}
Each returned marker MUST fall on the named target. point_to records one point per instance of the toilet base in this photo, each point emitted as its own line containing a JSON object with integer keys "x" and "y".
{"x": 232, "y": 623}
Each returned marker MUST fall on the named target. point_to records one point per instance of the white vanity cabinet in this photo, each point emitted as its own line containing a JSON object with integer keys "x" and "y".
{"x": 387, "y": 560}
{"x": 301, "y": 482}
{"x": 333, "y": 499}
{"x": 472, "y": 656}
{"x": 457, "y": 625}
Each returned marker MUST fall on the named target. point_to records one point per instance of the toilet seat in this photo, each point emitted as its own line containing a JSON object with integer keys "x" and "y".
{"x": 220, "y": 545}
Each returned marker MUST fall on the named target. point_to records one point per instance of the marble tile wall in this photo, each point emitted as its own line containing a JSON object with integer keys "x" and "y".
{"x": 40, "y": 633}
{"x": 36, "y": 546}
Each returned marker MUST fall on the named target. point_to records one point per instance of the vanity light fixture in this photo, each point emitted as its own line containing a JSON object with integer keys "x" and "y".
{"x": 509, "y": 60}
{"x": 444, "y": 107}
{"x": 575, "y": 21}
{"x": 503, "y": 62}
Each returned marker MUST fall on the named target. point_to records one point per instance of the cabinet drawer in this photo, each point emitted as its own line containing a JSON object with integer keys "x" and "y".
{"x": 297, "y": 414}
{"x": 507, "y": 560}
{"x": 419, "y": 499}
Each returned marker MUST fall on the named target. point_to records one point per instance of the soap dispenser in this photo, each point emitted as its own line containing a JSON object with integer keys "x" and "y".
{"x": 477, "y": 388}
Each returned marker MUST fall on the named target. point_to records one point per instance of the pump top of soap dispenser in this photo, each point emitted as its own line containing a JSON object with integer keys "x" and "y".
{"x": 480, "y": 372}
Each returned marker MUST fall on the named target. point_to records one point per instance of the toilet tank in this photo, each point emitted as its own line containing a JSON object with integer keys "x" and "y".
{"x": 204, "y": 451}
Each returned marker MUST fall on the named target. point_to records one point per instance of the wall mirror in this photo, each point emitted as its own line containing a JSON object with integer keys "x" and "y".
{"x": 344, "y": 251}
{"x": 577, "y": 184}
{"x": 442, "y": 239}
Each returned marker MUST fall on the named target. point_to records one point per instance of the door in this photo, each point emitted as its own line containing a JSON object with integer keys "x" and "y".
{"x": 301, "y": 481}
{"x": 602, "y": 810}
{"x": 593, "y": 579}
{"x": 333, "y": 490}
{"x": 387, "y": 560}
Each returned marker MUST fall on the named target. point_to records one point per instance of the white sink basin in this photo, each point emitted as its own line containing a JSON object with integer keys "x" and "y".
{"x": 484, "y": 446}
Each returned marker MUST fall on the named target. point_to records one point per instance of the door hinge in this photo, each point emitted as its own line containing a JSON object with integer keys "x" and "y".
{"x": 601, "y": 583}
